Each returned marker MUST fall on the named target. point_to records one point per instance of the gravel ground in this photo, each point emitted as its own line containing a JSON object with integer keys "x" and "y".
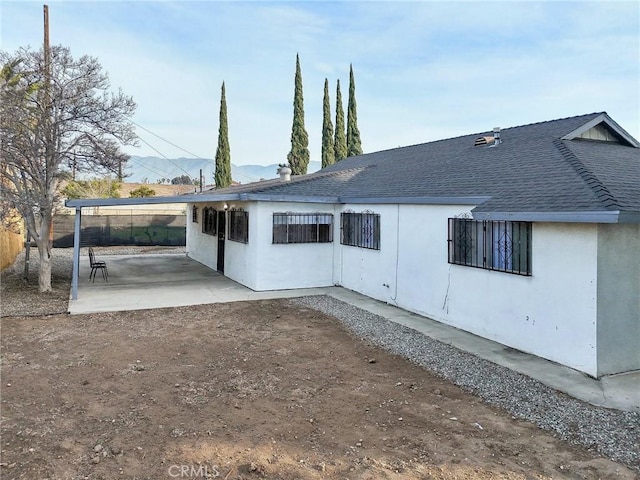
{"x": 611, "y": 433}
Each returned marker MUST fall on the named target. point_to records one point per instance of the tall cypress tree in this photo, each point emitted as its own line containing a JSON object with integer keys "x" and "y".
{"x": 340, "y": 143}
{"x": 298, "y": 157}
{"x": 328, "y": 152}
{"x": 223, "y": 153}
{"x": 354, "y": 145}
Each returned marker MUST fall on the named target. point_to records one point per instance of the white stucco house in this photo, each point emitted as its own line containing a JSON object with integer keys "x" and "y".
{"x": 529, "y": 236}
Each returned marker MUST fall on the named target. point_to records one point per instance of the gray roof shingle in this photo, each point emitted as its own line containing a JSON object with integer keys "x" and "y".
{"x": 532, "y": 170}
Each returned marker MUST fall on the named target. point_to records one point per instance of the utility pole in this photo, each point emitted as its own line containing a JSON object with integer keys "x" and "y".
{"x": 47, "y": 82}
{"x": 47, "y": 70}
{"x": 46, "y": 37}
{"x": 48, "y": 111}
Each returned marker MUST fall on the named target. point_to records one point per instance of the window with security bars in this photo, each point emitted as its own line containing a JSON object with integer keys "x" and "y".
{"x": 239, "y": 226}
{"x": 209, "y": 221}
{"x": 302, "y": 227}
{"x": 493, "y": 245}
{"x": 360, "y": 230}
{"x": 194, "y": 214}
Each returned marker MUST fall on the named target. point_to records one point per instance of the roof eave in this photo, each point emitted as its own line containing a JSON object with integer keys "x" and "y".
{"x": 608, "y": 216}
{"x": 629, "y": 217}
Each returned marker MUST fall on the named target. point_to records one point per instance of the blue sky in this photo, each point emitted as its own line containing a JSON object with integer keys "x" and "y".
{"x": 424, "y": 70}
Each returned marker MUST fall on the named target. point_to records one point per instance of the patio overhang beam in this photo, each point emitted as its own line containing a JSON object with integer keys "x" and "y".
{"x": 191, "y": 198}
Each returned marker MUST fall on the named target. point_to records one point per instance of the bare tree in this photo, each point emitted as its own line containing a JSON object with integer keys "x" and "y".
{"x": 54, "y": 114}
{"x": 105, "y": 187}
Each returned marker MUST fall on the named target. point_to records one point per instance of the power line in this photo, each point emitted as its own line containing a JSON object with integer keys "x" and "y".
{"x": 164, "y": 156}
{"x": 248, "y": 177}
{"x": 140, "y": 138}
{"x": 171, "y": 143}
{"x": 163, "y": 175}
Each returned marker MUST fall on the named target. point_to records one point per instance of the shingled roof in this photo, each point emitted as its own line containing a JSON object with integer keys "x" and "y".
{"x": 543, "y": 171}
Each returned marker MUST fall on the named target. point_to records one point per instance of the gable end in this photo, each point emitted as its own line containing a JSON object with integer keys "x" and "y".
{"x": 601, "y": 133}
{"x": 604, "y": 129}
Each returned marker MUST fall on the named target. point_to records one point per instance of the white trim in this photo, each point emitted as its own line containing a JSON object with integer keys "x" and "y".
{"x": 607, "y": 120}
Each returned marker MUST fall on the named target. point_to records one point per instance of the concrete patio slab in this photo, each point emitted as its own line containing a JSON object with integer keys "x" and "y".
{"x": 140, "y": 282}
{"x": 156, "y": 281}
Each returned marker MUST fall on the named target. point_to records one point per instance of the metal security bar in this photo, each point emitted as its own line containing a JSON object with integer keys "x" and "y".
{"x": 239, "y": 226}
{"x": 360, "y": 230}
{"x": 302, "y": 227}
{"x": 194, "y": 214}
{"x": 493, "y": 245}
{"x": 209, "y": 221}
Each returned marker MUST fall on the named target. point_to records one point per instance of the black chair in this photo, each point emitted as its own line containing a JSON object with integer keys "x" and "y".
{"x": 97, "y": 265}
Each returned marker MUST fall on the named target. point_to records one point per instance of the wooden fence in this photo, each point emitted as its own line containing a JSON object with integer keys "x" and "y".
{"x": 11, "y": 244}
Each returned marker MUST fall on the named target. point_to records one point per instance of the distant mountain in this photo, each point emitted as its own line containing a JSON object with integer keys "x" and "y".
{"x": 154, "y": 169}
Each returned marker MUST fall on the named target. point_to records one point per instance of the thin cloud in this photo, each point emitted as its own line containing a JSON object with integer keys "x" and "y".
{"x": 424, "y": 70}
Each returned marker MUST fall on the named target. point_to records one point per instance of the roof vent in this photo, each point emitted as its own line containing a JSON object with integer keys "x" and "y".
{"x": 285, "y": 172}
{"x": 496, "y": 136}
{"x": 489, "y": 140}
{"x": 481, "y": 141}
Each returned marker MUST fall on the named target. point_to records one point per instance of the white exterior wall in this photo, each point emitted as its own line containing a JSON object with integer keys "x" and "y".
{"x": 551, "y": 314}
{"x": 240, "y": 259}
{"x": 260, "y": 264}
{"x": 370, "y": 272}
{"x": 292, "y": 265}
{"x": 201, "y": 246}
{"x": 423, "y": 268}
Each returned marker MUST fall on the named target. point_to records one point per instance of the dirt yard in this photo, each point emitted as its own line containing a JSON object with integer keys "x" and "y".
{"x": 248, "y": 391}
